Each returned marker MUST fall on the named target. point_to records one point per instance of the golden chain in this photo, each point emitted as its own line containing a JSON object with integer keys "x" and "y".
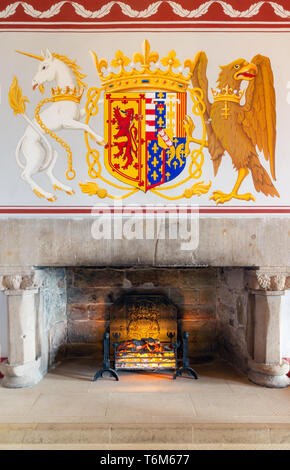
{"x": 91, "y": 110}
{"x": 70, "y": 173}
{"x": 198, "y": 110}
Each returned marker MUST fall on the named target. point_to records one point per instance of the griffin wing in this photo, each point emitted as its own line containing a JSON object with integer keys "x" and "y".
{"x": 199, "y": 80}
{"x": 260, "y": 110}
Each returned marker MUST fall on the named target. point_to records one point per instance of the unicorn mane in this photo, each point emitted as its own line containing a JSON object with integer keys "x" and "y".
{"x": 74, "y": 68}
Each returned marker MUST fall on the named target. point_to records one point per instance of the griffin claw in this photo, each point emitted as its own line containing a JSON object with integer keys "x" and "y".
{"x": 219, "y": 197}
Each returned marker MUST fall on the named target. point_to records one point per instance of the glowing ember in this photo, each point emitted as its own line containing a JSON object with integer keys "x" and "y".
{"x": 147, "y": 353}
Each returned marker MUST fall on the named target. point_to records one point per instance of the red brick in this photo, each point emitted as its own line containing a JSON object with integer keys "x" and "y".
{"x": 77, "y": 311}
{"x": 99, "y": 312}
{"x": 191, "y": 312}
{"x": 95, "y": 277}
{"x": 89, "y": 295}
{"x": 207, "y": 296}
{"x": 198, "y": 277}
{"x": 139, "y": 277}
{"x": 183, "y": 297}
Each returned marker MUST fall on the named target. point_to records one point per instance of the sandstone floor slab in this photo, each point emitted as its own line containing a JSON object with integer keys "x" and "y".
{"x": 221, "y": 408}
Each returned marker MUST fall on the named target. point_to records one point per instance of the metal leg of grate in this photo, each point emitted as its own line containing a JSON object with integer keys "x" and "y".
{"x": 106, "y": 362}
{"x": 185, "y": 361}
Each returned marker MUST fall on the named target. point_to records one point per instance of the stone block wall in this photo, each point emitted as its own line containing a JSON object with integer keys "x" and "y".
{"x": 92, "y": 291}
{"x": 213, "y": 306}
{"x": 233, "y": 316}
{"x": 52, "y": 316}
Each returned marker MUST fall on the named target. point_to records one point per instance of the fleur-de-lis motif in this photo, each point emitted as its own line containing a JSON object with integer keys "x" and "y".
{"x": 170, "y": 60}
{"x": 120, "y": 60}
{"x": 146, "y": 57}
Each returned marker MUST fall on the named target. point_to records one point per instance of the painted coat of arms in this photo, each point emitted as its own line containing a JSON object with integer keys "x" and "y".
{"x": 147, "y": 129}
{"x": 150, "y": 143}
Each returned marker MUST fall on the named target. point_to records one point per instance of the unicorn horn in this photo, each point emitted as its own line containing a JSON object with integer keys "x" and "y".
{"x": 31, "y": 55}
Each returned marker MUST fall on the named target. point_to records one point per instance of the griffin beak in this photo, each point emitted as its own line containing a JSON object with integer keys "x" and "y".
{"x": 248, "y": 72}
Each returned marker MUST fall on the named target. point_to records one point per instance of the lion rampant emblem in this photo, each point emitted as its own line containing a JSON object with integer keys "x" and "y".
{"x": 126, "y": 128}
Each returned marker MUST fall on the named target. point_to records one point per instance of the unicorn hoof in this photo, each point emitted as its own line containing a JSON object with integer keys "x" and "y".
{"x": 52, "y": 199}
{"x": 67, "y": 189}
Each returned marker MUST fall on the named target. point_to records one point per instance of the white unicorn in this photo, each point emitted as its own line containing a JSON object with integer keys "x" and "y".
{"x": 63, "y": 113}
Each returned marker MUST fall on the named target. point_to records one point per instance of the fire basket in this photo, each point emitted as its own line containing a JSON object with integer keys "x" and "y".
{"x": 145, "y": 354}
{"x": 141, "y": 336}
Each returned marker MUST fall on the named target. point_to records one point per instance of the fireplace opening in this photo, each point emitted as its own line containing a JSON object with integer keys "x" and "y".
{"x": 143, "y": 335}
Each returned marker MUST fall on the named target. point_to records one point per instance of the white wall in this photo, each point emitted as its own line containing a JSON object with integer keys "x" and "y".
{"x": 285, "y": 334}
{"x": 3, "y": 326}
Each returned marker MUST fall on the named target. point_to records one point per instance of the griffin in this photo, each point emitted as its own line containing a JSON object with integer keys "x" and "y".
{"x": 243, "y": 131}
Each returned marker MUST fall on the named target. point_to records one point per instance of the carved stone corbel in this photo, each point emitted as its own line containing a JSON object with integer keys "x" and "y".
{"x": 268, "y": 279}
{"x": 26, "y": 280}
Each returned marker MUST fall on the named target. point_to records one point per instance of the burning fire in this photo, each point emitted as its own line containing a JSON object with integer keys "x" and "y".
{"x": 147, "y": 353}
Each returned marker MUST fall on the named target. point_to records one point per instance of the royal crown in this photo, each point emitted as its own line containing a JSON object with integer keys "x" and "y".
{"x": 227, "y": 94}
{"x": 144, "y": 77}
{"x": 67, "y": 93}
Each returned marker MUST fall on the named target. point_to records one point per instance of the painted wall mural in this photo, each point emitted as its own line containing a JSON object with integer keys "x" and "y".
{"x": 175, "y": 112}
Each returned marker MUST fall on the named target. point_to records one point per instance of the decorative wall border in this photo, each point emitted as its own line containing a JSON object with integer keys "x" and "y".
{"x": 128, "y": 13}
{"x": 96, "y": 210}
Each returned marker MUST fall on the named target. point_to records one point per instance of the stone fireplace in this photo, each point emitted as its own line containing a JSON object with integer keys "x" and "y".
{"x": 59, "y": 309}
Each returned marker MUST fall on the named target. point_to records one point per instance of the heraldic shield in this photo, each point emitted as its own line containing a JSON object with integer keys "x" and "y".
{"x": 147, "y": 131}
{"x": 145, "y": 137}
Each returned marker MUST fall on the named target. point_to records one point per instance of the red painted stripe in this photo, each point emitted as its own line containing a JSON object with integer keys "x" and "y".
{"x": 205, "y": 27}
{"x": 150, "y": 112}
{"x": 184, "y": 99}
{"x": 202, "y": 210}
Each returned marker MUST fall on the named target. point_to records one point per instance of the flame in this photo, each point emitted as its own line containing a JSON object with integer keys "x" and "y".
{"x": 145, "y": 354}
{"x": 16, "y": 99}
